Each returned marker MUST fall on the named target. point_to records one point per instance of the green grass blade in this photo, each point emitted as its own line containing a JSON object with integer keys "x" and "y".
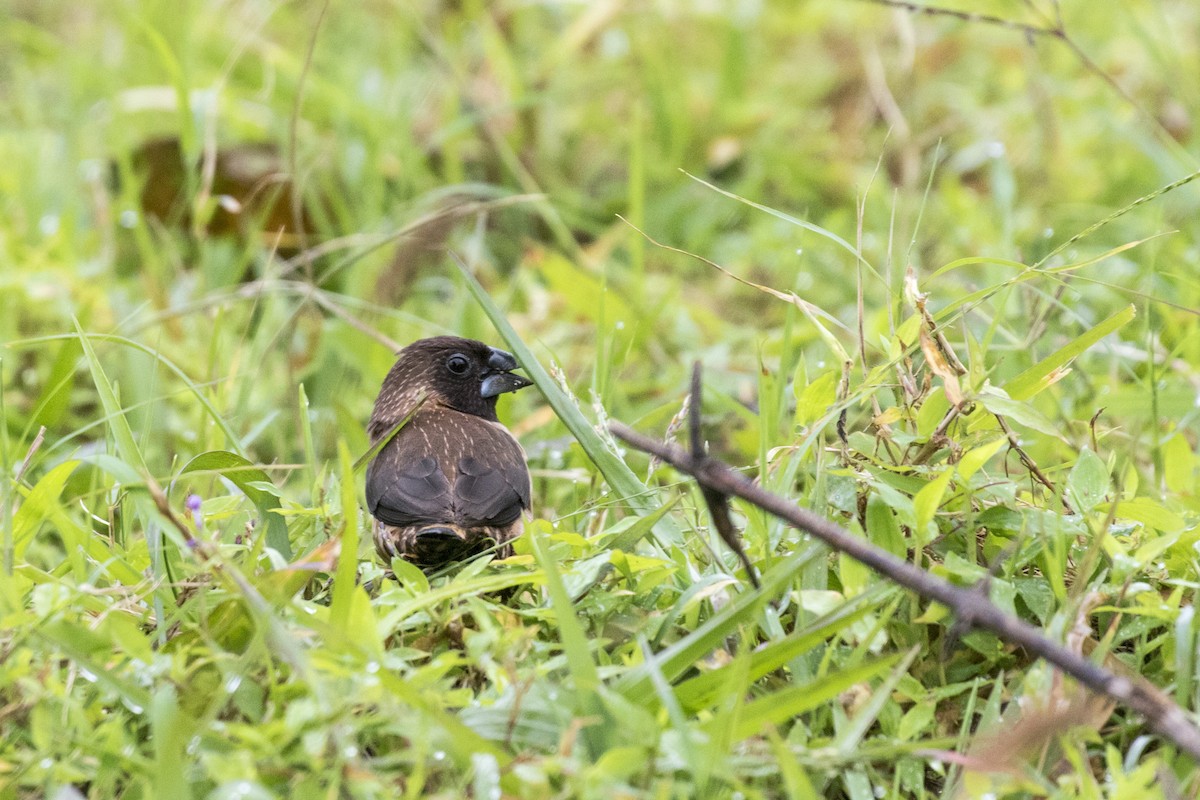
{"x": 214, "y": 415}
{"x": 168, "y": 727}
{"x": 631, "y": 490}
{"x": 345, "y": 578}
{"x": 126, "y": 443}
{"x": 779, "y": 707}
{"x": 575, "y": 647}
{"x": 705, "y": 689}
{"x": 1024, "y": 386}
{"x": 851, "y": 737}
{"x": 637, "y": 685}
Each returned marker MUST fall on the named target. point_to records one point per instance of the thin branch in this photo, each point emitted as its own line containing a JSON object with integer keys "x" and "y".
{"x": 1029, "y": 463}
{"x": 971, "y": 16}
{"x": 974, "y": 610}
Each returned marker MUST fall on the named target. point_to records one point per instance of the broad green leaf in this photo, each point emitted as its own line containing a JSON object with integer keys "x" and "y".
{"x": 883, "y": 529}
{"x": 1150, "y": 513}
{"x": 928, "y": 500}
{"x": 916, "y": 720}
{"x": 255, "y": 484}
{"x": 814, "y": 400}
{"x": 854, "y": 576}
{"x": 56, "y": 396}
{"x": 1179, "y": 465}
{"x": 932, "y": 412}
{"x": 974, "y": 459}
{"x": 39, "y": 505}
{"x": 1021, "y": 412}
{"x": 1088, "y": 482}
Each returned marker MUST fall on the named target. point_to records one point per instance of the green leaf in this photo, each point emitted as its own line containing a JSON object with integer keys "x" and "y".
{"x": 1179, "y": 464}
{"x": 997, "y": 402}
{"x": 851, "y": 736}
{"x": 575, "y": 647}
{"x": 1088, "y": 482}
{"x": 56, "y": 396}
{"x": 882, "y": 527}
{"x": 815, "y": 399}
{"x": 636, "y": 683}
{"x": 127, "y": 447}
{"x": 1150, "y": 513}
{"x": 916, "y": 720}
{"x": 928, "y": 500}
{"x": 169, "y": 734}
{"x": 40, "y": 505}
{"x": 628, "y": 538}
{"x": 708, "y": 688}
{"x": 345, "y": 579}
{"x": 1029, "y": 382}
{"x": 808, "y": 226}
{"x": 193, "y": 389}
{"x": 255, "y": 484}
{"x": 974, "y": 459}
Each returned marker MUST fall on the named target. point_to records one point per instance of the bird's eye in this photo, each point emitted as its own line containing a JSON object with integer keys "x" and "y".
{"x": 458, "y": 364}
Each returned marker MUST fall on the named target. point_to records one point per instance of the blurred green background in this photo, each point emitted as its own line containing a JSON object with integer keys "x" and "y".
{"x": 246, "y": 205}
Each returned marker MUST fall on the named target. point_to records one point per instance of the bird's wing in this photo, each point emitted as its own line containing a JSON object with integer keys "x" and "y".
{"x": 491, "y": 491}
{"x": 449, "y": 467}
{"x": 404, "y": 488}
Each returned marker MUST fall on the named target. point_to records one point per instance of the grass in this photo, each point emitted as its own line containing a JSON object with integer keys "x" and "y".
{"x": 773, "y": 190}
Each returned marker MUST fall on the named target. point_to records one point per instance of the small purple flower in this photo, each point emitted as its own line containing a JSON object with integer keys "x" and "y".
{"x": 192, "y": 504}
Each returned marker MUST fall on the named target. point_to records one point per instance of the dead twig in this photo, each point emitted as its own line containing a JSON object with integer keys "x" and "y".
{"x": 1029, "y": 463}
{"x": 973, "y": 609}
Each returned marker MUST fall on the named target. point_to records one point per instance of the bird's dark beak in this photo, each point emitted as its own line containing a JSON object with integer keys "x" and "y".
{"x": 500, "y": 378}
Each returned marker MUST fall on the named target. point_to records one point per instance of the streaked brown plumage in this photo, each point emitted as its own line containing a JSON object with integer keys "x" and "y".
{"x": 452, "y": 482}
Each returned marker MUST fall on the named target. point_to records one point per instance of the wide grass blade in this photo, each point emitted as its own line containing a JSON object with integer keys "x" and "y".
{"x": 618, "y": 474}
{"x": 779, "y": 707}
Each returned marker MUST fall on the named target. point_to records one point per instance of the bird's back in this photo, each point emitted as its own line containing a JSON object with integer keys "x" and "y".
{"x": 447, "y": 467}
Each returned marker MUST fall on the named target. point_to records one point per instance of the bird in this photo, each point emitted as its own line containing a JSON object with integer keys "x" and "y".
{"x": 452, "y": 481}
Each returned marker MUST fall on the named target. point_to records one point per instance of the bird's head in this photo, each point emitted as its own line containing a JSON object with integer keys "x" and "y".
{"x": 463, "y": 374}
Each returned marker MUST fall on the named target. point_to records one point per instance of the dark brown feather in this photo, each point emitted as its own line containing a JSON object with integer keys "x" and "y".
{"x": 451, "y": 468}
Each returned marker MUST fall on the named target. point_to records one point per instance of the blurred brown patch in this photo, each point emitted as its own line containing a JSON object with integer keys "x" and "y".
{"x": 423, "y": 246}
{"x": 250, "y": 190}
